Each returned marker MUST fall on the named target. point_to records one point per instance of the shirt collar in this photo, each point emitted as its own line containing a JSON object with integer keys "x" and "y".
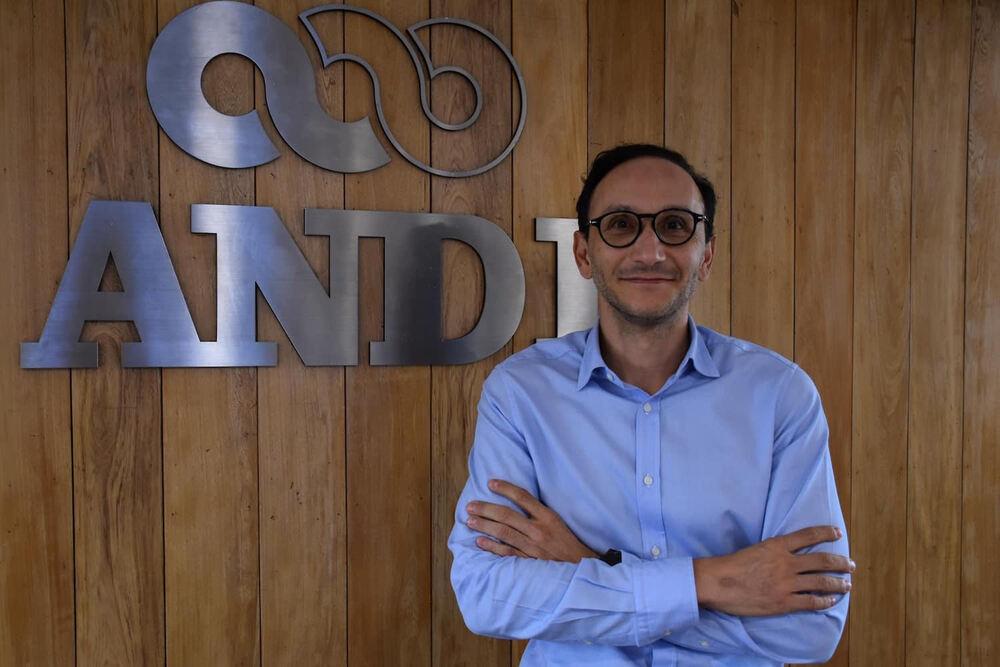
{"x": 697, "y": 355}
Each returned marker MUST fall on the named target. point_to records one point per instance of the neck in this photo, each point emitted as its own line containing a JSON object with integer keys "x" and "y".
{"x": 643, "y": 356}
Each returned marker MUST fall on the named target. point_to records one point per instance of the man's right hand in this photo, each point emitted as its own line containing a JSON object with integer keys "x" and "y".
{"x": 770, "y": 578}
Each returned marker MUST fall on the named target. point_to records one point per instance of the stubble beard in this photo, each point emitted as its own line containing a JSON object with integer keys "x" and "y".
{"x": 646, "y": 320}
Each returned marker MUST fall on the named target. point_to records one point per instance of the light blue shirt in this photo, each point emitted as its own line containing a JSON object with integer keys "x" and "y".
{"x": 730, "y": 451}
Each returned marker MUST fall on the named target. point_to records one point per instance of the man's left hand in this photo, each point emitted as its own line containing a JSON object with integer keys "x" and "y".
{"x": 538, "y": 533}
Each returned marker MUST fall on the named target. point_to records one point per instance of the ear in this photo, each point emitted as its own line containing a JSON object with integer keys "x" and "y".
{"x": 581, "y": 253}
{"x": 706, "y": 260}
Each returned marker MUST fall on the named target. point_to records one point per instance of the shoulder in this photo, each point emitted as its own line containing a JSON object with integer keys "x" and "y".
{"x": 548, "y": 363}
{"x": 737, "y": 356}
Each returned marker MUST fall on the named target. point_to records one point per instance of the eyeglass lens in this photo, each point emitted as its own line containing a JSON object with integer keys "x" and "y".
{"x": 621, "y": 228}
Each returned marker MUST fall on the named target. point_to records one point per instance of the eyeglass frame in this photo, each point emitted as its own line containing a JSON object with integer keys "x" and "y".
{"x": 698, "y": 217}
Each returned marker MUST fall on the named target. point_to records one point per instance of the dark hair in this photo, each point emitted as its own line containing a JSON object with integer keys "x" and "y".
{"x": 611, "y": 158}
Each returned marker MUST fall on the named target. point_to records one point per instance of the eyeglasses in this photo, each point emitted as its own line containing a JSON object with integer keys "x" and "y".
{"x": 673, "y": 226}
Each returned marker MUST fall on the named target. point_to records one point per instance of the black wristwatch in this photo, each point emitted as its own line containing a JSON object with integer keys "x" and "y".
{"x": 612, "y": 557}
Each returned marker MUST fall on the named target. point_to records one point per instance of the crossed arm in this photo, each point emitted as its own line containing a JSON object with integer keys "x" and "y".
{"x": 524, "y": 574}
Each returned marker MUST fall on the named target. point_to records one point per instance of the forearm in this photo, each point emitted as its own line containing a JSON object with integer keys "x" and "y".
{"x": 589, "y": 601}
{"x": 799, "y": 637}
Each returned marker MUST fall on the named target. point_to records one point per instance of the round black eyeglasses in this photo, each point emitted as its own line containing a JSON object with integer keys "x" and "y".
{"x": 673, "y": 226}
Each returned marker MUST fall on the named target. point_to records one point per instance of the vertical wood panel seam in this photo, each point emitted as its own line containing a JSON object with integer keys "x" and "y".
{"x": 854, "y": 278}
{"x": 346, "y": 385}
{"x": 965, "y": 326}
{"x": 732, "y": 201}
{"x": 795, "y": 160}
{"x": 69, "y": 372}
{"x": 430, "y": 372}
{"x": 256, "y": 386}
{"x": 909, "y": 317}
{"x": 163, "y": 479}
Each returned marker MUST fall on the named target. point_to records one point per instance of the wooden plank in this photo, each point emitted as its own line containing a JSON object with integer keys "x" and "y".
{"x": 112, "y": 148}
{"x": 388, "y": 408}
{"x": 937, "y": 290}
{"x": 549, "y": 161}
{"x": 824, "y": 221}
{"x": 763, "y": 236}
{"x": 626, "y": 56}
{"x": 455, "y": 390}
{"x": 303, "y": 524}
{"x": 981, "y": 462}
{"x": 36, "y": 501}
{"x": 698, "y": 87}
{"x": 210, "y": 419}
{"x": 881, "y": 328}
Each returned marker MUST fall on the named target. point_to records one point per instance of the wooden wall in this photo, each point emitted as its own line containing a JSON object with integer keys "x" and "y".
{"x": 295, "y": 515}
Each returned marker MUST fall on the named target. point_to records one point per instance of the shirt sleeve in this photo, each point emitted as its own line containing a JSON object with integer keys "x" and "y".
{"x": 802, "y": 493}
{"x": 631, "y": 604}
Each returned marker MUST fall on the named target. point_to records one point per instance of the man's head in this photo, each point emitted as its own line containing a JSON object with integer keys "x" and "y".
{"x": 649, "y": 281}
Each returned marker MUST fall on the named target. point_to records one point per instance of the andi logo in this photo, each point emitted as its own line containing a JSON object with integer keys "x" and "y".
{"x": 254, "y": 249}
{"x": 196, "y": 36}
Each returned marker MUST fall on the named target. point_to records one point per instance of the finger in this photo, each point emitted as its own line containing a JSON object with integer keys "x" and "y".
{"x": 517, "y": 495}
{"x": 809, "y": 602}
{"x": 808, "y": 537}
{"x": 823, "y": 562}
{"x": 486, "y": 544}
{"x": 821, "y": 583}
{"x": 500, "y": 514}
{"x": 505, "y": 534}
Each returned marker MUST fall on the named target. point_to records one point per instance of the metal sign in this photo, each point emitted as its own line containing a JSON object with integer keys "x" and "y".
{"x": 255, "y": 250}
{"x": 196, "y": 36}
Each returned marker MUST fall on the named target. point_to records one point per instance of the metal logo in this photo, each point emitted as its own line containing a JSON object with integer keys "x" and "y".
{"x": 254, "y": 248}
{"x": 196, "y": 36}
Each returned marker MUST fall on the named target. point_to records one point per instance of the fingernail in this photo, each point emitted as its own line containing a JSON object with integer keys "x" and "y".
{"x": 492, "y": 484}
{"x": 471, "y": 508}
{"x": 848, "y": 585}
{"x": 838, "y": 532}
{"x": 853, "y": 566}
{"x": 471, "y": 522}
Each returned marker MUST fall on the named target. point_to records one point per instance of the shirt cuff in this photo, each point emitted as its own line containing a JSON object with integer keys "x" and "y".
{"x": 665, "y": 597}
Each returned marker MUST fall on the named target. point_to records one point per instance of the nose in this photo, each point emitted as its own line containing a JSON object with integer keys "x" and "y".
{"x": 648, "y": 249}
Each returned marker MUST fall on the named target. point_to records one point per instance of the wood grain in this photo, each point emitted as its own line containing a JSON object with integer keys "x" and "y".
{"x": 36, "y": 501}
{"x": 303, "y": 513}
{"x": 209, "y": 419}
{"x": 824, "y": 222}
{"x": 698, "y": 112}
{"x": 118, "y": 510}
{"x": 626, "y": 56}
{"x": 550, "y": 160}
{"x": 388, "y": 408}
{"x": 455, "y": 389}
{"x": 881, "y": 330}
{"x": 981, "y": 460}
{"x": 763, "y": 189}
{"x": 937, "y": 298}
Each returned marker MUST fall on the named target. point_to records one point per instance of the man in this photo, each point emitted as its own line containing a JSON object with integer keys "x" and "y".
{"x": 650, "y": 491}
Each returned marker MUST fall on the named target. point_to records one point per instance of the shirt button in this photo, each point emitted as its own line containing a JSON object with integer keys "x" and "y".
{"x": 655, "y": 551}
{"x": 648, "y": 480}
{"x": 667, "y": 633}
{"x": 647, "y": 408}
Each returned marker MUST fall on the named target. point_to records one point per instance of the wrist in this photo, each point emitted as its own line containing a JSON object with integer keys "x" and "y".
{"x": 706, "y": 581}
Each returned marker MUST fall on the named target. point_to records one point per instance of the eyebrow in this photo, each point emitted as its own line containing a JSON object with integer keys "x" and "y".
{"x": 625, "y": 207}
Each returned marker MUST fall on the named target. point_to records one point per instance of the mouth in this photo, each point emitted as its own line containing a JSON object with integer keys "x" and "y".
{"x": 648, "y": 280}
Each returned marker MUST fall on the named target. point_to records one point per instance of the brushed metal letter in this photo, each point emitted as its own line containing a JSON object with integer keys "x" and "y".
{"x": 576, "y": 297}
{"x": 255, "y": 250}
{"x": 152, "y": 298}
{"x": 413, "y": 279}
{"x": 173, "y": 83}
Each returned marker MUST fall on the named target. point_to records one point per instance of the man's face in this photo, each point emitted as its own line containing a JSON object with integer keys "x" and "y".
{"x": 648, "y": 283}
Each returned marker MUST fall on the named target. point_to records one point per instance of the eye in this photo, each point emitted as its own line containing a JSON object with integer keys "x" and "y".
{"x": 619, "y": 222}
